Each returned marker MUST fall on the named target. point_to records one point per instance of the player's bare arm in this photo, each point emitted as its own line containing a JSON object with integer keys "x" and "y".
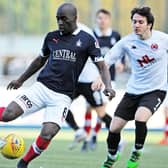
{"x": 33, "y": 68}
{"x": 105, "y": 75}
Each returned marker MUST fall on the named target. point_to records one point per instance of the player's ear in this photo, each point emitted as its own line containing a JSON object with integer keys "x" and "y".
{"x": 150, "y": 26}
{"x": 76, "y": 18}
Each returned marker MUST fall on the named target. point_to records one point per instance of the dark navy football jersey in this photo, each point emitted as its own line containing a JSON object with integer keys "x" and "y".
{"x": 106, "y": 43}
{"x": 67, "y": 55}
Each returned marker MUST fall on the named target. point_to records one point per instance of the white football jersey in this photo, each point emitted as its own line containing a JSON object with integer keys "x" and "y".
{"x": 148, "y": 59}
{"x": 90, "y": 72}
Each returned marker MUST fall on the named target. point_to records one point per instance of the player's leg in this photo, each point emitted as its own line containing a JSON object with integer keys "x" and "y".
{"x": 124, "y": 112}
{"x": 141, "y": 117}
{"x": 11, "y": 112}
{"x": 97, "y": 127}
{"x": 102, "y": 116}
{"x": 148, "y": 104}
{"x": 23, "y": 103}
{"x": 97, "y": 100}
{"x": 95, "y": 131}
{"x": 105, "y": 117}
{"x": 80, "y": 134}
{"x": 113, "y": 140}
{"x": 165, "y": 140}
{"x": 56, "y": 110}
{"x": 71, "y": 121}
{"x": 87, "y": 129}
{"x": 70, "y": 117}
{"x": 88, "y": 118}
{"x": 49, "y": 130}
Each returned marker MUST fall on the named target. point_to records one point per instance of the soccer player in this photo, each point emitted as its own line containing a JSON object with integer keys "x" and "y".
{"x": 146, "y": 88}
{"x": 107, "y": 38}
{"x": 64, "y": 54}
{"x": 96, "y": 100}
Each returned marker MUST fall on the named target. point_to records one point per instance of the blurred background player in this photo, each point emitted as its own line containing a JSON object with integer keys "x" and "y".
{"x": 95, "y": 100}
{"x": 107, "y": 38}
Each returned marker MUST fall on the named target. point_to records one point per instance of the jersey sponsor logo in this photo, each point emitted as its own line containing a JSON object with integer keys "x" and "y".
{"x": 145, "y": 60}
{"x": 64, "y": 54}
{"x": 154, "y": 46}
{"x": 26, "y": 101}
{"x": 79, "y": 43}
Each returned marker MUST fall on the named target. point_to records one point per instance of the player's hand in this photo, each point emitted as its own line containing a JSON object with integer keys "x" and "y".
{"x": 97, "y": 84}
{"x": 15, "y": 84}
{"x": 110, "y": 93}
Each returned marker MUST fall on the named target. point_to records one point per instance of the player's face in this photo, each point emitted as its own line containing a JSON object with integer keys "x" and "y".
{"x": 140, "y": 25}
{"x": 66, "y": 23}
{"x": 103, "y": 21}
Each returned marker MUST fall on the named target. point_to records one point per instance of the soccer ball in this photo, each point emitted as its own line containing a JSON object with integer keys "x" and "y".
{"x": 13, "y": 146}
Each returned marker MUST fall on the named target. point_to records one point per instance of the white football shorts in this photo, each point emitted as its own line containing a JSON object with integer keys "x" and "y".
{"x": 38, "y": 96}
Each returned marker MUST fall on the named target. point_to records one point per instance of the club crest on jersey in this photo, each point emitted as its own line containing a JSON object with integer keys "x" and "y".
{"x": 154, "y": 46}
{"x": 79, "y": 43}
{"x": 113, "y": 41}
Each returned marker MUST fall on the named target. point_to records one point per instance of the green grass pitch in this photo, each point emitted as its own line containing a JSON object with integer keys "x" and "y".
{"x": 59, "y": 156}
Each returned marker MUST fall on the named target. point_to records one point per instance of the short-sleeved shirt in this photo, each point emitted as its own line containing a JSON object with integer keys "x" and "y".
{"x": 67, "y": 55}
{"x": 148, "y": 61}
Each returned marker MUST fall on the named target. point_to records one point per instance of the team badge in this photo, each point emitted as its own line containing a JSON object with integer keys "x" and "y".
{"x": 154, "y": 46}
{"x": 113, "y": 41}
{"x": 79, "y": 43}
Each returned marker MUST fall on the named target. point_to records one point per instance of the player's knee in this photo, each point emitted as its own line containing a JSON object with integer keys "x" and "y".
{"x": 49, "y": 130}
{"x": 143, "y": 114}
{"x": 11, "y": 112}
{"x": 115, "y": 130}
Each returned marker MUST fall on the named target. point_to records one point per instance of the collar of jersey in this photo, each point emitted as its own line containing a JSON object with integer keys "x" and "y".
{"x": 76, "y": 31}
{"x": 99, "y": 33}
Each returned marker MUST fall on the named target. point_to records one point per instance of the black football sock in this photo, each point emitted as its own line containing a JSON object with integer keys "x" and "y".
{"x": 113, "y": 140}
{"x": 107, "y": 119}
{"x": 140, "y": 134}
{"x": 71, "y": 121}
